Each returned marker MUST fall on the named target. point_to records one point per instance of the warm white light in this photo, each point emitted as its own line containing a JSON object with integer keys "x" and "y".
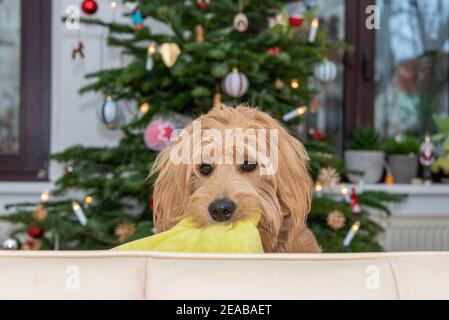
{"x": 344, "y": 190}
{"x": 356, "y": 226}
{"x": 294, "y": 84}
{"x": 114, "y": 4}
{"x": 75, "y": 206}
{"x": 152, "y": 48}
{"x": 88, "y": 200}
{"x": 318, "y": 188}
{"x": 145, "y": 107}
{"x": 45, "y": 195}
{"x": 302, "y": 110}
{"x": 315, "y": 22}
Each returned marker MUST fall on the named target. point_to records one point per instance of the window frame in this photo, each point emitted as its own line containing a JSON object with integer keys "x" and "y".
{"x": 359, "y": 86}
{"x": 31, "y": 163}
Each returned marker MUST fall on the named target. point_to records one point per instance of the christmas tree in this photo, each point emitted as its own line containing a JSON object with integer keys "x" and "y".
{"x": 219, "y": 51}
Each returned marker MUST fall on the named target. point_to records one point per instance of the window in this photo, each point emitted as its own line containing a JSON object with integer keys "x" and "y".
{"x": 24, "y": 89}
{"x": 397, "y": 78}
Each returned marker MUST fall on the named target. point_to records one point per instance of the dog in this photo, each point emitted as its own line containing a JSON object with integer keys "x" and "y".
{"x": 213, "y": 192}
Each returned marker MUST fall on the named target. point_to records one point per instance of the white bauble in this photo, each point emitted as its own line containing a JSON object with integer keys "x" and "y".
{"x": 235, "y": 84}
{"x": 109, "y": 113}
{"x": 326, "y": 71}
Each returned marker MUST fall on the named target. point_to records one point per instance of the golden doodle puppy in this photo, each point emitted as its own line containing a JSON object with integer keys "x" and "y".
{"x": 231, "y": 163}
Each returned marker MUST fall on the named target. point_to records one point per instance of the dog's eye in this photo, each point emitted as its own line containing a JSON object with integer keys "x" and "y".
{"x": 248, "y": 166}
{"x": 206, "y": 169}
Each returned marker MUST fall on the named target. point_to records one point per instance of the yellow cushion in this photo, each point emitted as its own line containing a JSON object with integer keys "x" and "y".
{"x": 187, "y": 236}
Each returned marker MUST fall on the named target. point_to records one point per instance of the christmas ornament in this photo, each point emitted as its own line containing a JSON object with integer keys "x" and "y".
{"x": 326, "y": 71}
{"x": 278, "y": 19}
{"x": 241, "y": 22}
{"x": 309, "y": 4}
{"x": 235, "y": 84}
{"x": 158, "y": 134}
{"x": 351, "y": 234}
{"x": 79, "y": 213}
{"x": 294, "y": 113}
{"x": 355, "y": 205}
{"x": 295, "y": 12}
{"x": 199, "y": 33}
{"x": 35, "y": 232}
{"x": 109, "y": 113}
{"x": 275, "y": 51}
{"x": 169, "y": 53}
{"x": 296, "y": 20}
{"x": 9, "y": 244}
{"x": 78, "y": 51}
{"x": 336, "y": 220}
{"x": 427, "y": 157}
{"x": 138, "y": 19}
{"x": 317, "y": 134}
{"x": 203, "y": 3}
{"x": 294, "y": 83}
{"x": 279, "y": 84}
{"x": 314, "y": 29}
{"x": 328, "y": 177}
{"x": 124, "y": 231}
{"x": 152, "y": 48}
{"x": 89, "y": 7}
{"x": 32, "y": 245}
{"x": 40, "y": 214}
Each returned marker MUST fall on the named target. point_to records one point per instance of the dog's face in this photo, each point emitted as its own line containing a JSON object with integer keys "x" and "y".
{"x": 263, "y": 172}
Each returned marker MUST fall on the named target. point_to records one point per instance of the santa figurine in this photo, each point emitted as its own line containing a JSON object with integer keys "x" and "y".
{"x": 355, "y": 204}
{"x": 427, "y": 157}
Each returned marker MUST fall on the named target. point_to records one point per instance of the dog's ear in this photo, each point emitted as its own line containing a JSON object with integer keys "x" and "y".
{"x": 294, "y": 187}
{"x": 169, "y": 191}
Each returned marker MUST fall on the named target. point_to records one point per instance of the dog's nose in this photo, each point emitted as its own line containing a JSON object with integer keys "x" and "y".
{"x": 222, "y": 209}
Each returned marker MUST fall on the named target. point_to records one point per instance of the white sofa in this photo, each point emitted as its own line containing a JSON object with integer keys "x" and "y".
{"x": 151, "y": 275}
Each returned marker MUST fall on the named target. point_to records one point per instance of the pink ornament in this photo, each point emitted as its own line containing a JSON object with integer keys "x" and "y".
{"x": 235, "y": 84}
{"x": 158, "y": 133}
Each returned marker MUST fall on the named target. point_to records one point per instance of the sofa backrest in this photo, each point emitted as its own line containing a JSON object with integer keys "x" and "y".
{"x": 152, "y": 275}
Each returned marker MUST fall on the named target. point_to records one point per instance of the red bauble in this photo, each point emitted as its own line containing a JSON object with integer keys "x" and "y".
{"x": 275, "y": 51}
{"x": 89, "y": 6}
{"x": 35, "y": 232}
{"x": 296, "y": 20}
{"x": 203, "y": 3}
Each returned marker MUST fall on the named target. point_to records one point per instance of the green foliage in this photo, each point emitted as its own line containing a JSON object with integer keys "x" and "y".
{"x": 365, "y": 139}
{"x": 442, "y": 138}
{"x": 407, "y": 145}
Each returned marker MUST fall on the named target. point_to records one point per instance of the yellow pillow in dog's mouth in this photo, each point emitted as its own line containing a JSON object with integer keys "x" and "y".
{"x": 236, "y": 237}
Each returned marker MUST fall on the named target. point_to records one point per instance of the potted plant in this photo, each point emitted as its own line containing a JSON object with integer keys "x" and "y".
{"x": 441, "y": 165}
{"x": 402, "y": 152}
{"x": 365, "y": 156}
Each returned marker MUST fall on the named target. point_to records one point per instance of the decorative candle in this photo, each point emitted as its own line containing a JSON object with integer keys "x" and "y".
{"x": 352, "y": 232}
{"x": 79, "y": 213}
{"x": 314, "y": 29}
{"x": 295, "y": 113}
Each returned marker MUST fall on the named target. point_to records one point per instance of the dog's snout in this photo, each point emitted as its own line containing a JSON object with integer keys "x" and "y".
{"x": 222, "y": 209}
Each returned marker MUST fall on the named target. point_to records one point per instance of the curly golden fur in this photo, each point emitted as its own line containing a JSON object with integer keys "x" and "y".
{"x": 283, "y": 198}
